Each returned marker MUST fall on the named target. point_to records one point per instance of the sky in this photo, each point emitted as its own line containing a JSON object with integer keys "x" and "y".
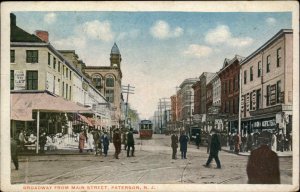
{"x": 159, "y": 49}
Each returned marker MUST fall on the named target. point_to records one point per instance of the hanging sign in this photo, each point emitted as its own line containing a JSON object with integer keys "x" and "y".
{"x": 19, "y": 79}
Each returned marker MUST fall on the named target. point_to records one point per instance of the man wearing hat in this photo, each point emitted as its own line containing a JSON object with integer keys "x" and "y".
{"x": 130, "y": 143}
{"x": 215, "y": 147}
{"x": 117, "y": 142}
{"x": 174, "y": 144}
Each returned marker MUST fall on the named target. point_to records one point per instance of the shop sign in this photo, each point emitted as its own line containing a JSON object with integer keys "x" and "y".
{"x": 268, "y": 123}
{"x": 20, "y": 80}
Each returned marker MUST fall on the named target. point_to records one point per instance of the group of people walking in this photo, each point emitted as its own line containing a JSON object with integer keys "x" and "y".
{"x": 101, "y": 142}
{"x": 214, "y": 148}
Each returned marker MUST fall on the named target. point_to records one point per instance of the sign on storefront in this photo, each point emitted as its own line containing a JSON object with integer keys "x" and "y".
{"x": 20, "y": 80}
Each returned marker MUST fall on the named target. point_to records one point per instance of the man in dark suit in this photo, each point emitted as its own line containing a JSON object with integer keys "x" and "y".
{"x": 174, "y": 144}
{"x": 263, "y": 165}
{"x": 130, "y": 143}
{"x": 215, "y": 147}
{"x": 117, "y": 142}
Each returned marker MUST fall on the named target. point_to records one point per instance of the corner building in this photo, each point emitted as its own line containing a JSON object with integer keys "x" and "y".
{"x": 108, "y": 80}
{"x": 267, "y": 86}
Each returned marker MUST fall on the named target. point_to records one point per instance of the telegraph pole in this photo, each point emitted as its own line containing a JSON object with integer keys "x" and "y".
{"x": 128, "y": 90}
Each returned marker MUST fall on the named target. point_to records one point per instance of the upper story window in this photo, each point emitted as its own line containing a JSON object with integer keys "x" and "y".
{"x": 259, "y": 69}
{"x": 54, "y": 63}
{"x": 109, "y": 94}
{"x": 67, "y": 71}
{"x": 70, "y": 75}
{"x": 268, "y": 63}
{"x": 97, "y": 82}
{"x": 12, "y": 80}
{"x": 268, "y": 95}
{"x": 32, "y": 56}
{"x": 31, "y": 80}
{"x": 49, "y": 59}
{"x": 278, "y": 57}
{"x": 12, "y": 56}
{"x": 63, "y": 70}
{"x": 58, "y": 66}
{"x": 251, "y": 73}
{"x": 278, "y": 93}
{"x": 245, "y": 77}
{"x": 110, "y": 82}
{"x": 258, "y": 98}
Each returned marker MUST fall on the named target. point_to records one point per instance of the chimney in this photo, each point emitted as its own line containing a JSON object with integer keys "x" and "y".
{"x": 43, "y": 35}
{"x": 13, "y": 19}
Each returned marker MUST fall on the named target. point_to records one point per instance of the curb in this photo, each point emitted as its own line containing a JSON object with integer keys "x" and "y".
{"x": 248, "y": 154}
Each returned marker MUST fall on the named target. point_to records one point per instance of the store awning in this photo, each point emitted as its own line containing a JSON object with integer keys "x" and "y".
{"x": 85, "y": 119}
{"x": 22, "y": 105}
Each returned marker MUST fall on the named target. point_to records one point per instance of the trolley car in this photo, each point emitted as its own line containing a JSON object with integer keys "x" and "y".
{"x": 145, "y": 129}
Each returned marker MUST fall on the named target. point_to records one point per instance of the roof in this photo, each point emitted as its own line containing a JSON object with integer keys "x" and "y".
{"x": 23, "y": 103}
{"x": 19, "y": 35}
{"x": 115, "y": 49}
{"x": 269, "y": 42}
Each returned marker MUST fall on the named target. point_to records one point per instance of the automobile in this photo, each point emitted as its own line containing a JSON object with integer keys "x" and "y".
{"x": 135, "y": 131}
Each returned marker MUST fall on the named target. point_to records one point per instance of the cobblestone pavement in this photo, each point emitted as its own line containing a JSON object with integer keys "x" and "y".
{"x": 152, "y": 164}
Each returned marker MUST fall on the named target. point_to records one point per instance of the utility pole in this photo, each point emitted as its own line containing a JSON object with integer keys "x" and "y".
{"x": 128, "y": 90}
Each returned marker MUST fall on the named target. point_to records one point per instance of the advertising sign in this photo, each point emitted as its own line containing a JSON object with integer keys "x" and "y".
{"x": 20, "y": 79}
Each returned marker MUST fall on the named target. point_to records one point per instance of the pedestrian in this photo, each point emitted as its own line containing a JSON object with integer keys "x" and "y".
{"x": 117, "y": 142}
{"x": 244, "y": 143}
{"x": 237, "y": 143}
{"x": 42, "y": 141}
{"x": 14, "y": 152}
{"x": 130, "y": 143}
{"x": 198, "y": 140}
{"x": 273, "y": 142}
{"x": 96, "y": 138}
{"x": 281, "y": 142}
{"x": 249, "y": 142}
{"x": 82, "y": 139}
{"x": 183, "y": 139}
{"x": 263, "y": 165}
{"x": 90, "y": 141}
{"x": 215, "y": 147}
{"x": 105, "y": 142}
{"x": 174, "y": 144}
{"x": 22, "y": 140}
{"x": 208, "y": 143}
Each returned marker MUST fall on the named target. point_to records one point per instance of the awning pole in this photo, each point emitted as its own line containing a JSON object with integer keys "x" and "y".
{"x": 37, "y": 131}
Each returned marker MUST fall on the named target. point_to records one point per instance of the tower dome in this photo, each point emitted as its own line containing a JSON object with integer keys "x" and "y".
{"x": 115, "y": 49}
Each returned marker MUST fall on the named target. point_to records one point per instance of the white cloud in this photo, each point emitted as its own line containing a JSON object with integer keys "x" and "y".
{"x": 131, "y": 34}
{"x": 162, "y": 30}
{"x": 50, "y": 18}
{"x": 72, "y": 42}
{"x": 195, "y": 50}
{"x": 271, "y": 20}
{"x": 97, "y": 30}
{"x": 222, "y": 35}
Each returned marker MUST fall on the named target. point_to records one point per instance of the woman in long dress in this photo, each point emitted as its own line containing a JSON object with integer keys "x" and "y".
{"x": 82, "y": 139}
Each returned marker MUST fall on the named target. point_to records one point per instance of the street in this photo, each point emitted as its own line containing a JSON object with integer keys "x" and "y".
{"x": 152, "y": 164}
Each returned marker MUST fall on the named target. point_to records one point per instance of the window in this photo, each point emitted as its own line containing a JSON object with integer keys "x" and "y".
{"x": 229, "y": 86}
{"x": 12, "y": 80}
{"x": 251, "y": 104}
{"x": 49, "y": 58}
{"x": 70, "y": 92}
{"x": 258, "y": 98}
{"x": 97, "y": 82}
{"x": 236, "y": 105}
{"x": 259, "y": 69}
{"x": 31, "y": 80}
{"x": 268, "y": 95}
{"x": 63, "y": 70}
{"x": 251, "y": 73}
{"x": 109, "y": 94}
{"x": 227, "y": 107}
{"x": 67, "y": 72}
{"x": 63, "y": 89}
{"x": 110, "y": 82}
{"x": 268, "y": 63}
{"x": 278, "y": 57}
{"x": 237, "y": 80}
{"x": 245, "y": 77}
{"x": 54, "y": 63}
{"x": 70, "y": 75}
{"x": 12, "y": 56}
{"x": 58, "y": 66}
{"x": 32, "y": 56}
{"x": 67, "y": 90}
{"x": 278, "y": 93}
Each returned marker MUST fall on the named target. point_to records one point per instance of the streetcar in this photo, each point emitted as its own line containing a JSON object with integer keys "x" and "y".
{"x": 145, "y": 129}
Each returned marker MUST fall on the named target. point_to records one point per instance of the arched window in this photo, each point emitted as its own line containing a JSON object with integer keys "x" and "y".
{"x": 110, "y": 81}
{"x": 97, "y": 81}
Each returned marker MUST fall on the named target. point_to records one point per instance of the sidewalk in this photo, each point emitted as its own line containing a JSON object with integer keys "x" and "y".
{"x": 279, "y": 153}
